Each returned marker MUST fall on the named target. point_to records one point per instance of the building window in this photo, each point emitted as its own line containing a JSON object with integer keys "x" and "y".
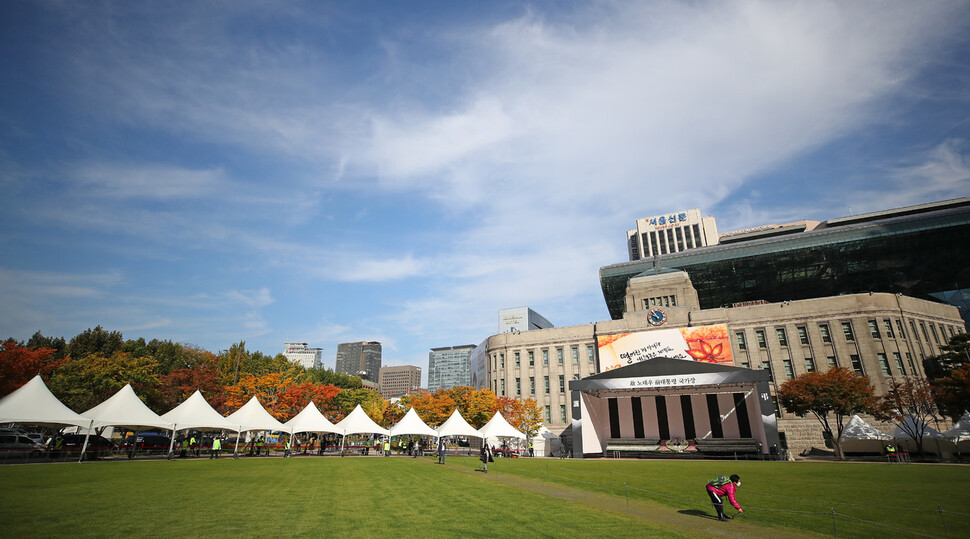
{"x": 899, "y": 326}
{"x": 759, "y": 334}
{"x": 823, "y": 329}
{"x": 833, "y": 363}
{"x": 857, "y": 364}
{"x": 518, "y": 386}
{"x": 545, "y": 357}
{"x": 912, "y": 326}
{"x": 847, "y": 331}
{"x": 899, "y": 363}
{"x": 809, "y": 365}
{"x": 936, "y": 336}
{"x": 782, "y": 337}
{"x": 590, "y": 354}
{"x": 575, "y": 350}
{"x": 501, "y": 359}
{"x": 926, "y": 336}
{"x": 546, "y": 380}
{"x": 562, "y": 413}
{"x": 502, "y": 385}
{"x": 874, "y": 329}
{"x": 532, "y": 385}
{"x": 559, "y": 355}
{"x": 802, "y": 335}
{"x": 912, "y": 366}
{"x": 548, "y": 415}
{"x": 884, "y": 364}
{"x": 562, "y": 383}
{"x": 789, "y": 369}
{"x": 889, "y": 328}
{"x": 739, "y": 337}
{"x": 766, "y": 366}
{"x": 518, "y": 363}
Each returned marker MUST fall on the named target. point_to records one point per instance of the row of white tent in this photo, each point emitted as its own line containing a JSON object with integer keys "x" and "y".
{"x": 34, "y": 404}
{"x": 858, "y": 430}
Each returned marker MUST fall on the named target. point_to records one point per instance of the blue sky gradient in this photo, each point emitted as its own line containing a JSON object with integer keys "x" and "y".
{"x": 328, "y": 172}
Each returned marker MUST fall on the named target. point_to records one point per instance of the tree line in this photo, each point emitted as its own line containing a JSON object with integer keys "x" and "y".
{"x": 96, "y": 363}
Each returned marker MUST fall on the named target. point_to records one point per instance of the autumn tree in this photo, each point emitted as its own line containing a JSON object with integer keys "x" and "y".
{"x": 180, "y": 384}
{"x": 293, "y": 399}
{"x": 836, "y": 392}
{"x": 913, "y": 398}
{"x": 524, "y": 415}
{"x": 953, "y": 392}
{"x": 369, "y": 400}
{"x": 82, "y": 383}
{"x": 477, "y": 406}
{"x": 19, "y": 364}
{"x": 432, "y": 408}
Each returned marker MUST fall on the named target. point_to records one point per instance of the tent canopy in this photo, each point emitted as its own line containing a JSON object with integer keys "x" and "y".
{"x": 498, "y": 427}
{"x": 125, "y": 409}
{"x": 457, "y": 426}
{"x": 311, "y": 420}
{"x": 34, "y": 404}
{"x": 961, "y": 429}
{"x": 196, "y": 413}
{"x": 252, "y": 416}
{"x": 412, "y": 423}
{"x": 915, "y": 425}
{"x": 358, "y": 422}
{"x": 858, "y": 429}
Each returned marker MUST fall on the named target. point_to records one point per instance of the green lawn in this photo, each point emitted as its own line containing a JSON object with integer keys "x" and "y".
{"x": 379, "y": 497}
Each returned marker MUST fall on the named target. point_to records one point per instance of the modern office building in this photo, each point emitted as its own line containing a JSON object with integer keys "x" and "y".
{"x": 519, "y": 319}
{"x": 670, "y": 233}
{"x": 658, "y": 310}
{"x": 449, "y": 367}
{"x": 919, "y": 251}
{"x": 301, "y": 354}
{"x": 399, "y": 380}
{"x": 361, "y": 359}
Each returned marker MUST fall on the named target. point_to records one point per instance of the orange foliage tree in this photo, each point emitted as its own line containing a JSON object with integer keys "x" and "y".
{"x": 524, "y": 415}
{"x": 18, "y": 365}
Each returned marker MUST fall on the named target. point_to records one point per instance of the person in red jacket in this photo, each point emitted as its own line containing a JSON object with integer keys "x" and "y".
{"x": 717, "y": 493}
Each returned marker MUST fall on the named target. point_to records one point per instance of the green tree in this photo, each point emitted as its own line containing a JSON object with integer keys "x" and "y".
{"x": 953, "y": 392}
{"x": 82, "y": 383}
{"x": 57, "y": 344}
{"x": 953, "y": 355}
{"x": 836, "y": 392}
{"x": 328, "y": 377}
{"x": 95, "y": 341}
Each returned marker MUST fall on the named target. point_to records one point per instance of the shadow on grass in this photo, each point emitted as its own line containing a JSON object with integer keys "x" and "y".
{"x": 697, "y": 513}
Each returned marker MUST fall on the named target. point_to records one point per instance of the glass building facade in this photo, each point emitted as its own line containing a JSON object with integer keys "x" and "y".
{"x": 920, "y": 253}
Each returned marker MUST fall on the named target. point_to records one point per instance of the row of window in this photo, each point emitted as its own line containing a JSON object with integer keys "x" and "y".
{"x": 562, "y": 413}
{"x": 660, "y": 301}
{"x": 500, "y": 390}
{"x": 498, "y": 361}
{"x": 849, "y": 334}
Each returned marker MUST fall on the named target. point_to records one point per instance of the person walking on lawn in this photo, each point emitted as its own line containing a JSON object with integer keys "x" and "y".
{"x": 720, "y": 487}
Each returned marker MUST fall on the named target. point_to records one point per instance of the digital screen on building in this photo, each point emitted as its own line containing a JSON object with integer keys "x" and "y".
{"x": 709, "y": 344}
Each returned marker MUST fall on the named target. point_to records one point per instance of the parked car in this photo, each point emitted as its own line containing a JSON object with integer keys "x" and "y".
{"x": 19, "y": 446}
{"x": 98, "y": 446}
{"x": 148, "y": 443}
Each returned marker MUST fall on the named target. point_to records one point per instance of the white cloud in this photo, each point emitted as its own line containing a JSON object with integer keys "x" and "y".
{"x": 119, "y": 181}
{"x": 253, "y": 298}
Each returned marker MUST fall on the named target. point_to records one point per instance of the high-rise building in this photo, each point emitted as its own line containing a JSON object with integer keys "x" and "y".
{"x": 449, "y": 367}
{"x": 670, "y": 233}
{"x": 399, "y": 380}
{"x": 519, "y": 319}
{"x": 300, "y": 353}
{"x": 361, "y": 359}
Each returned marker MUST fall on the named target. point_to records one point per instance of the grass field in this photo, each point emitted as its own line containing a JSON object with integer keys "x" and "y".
{"x": 379, "y": 497}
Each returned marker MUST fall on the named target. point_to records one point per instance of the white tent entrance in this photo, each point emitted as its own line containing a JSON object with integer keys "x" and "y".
{"x": 665, "y": 406}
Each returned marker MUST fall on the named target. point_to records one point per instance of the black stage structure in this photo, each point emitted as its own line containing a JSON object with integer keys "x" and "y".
{"x": 678, "y": 403}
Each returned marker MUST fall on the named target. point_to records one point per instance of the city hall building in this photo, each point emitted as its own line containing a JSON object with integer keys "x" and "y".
{"x": 738, "y": 335}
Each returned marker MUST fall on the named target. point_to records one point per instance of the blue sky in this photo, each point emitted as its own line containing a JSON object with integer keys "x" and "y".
{"x": 210, "y": 172}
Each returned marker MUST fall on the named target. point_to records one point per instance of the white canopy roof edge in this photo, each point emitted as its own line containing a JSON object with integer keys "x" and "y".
{"x": 252, "y": 416}
{"x": 311, "y": 420}
{"x": 961, "y": 429}
{"x": 34, "y": 404}
{"x": 358, "y": 422}
{"x": 858, "y": 429}
{"x": 125, "y": 409}
{"x": 498, "y": 427}
{"x": 412, "y": 423}
{"x": 456, "y": 425}
{"x": 196, "y": 413}
{"x": 929, "y": 433}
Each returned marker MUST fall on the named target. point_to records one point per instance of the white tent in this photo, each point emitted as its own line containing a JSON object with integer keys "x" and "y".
{"x": 412, "y": 423}
{"x": 34, "y": 404}
{"x": 498, "y": 427}
{"x": 457, "y": 426}
{"x": 311, "y": 420}
{"x": 196, "y": 413}
{"x": 961, "y": 429}
{"x": 358, "y": 422}
{"x": 124, "y": 408}
{"x": 252, "y": 416}
{"x": 861, "y": 437}
{"x": 929, "y": 433}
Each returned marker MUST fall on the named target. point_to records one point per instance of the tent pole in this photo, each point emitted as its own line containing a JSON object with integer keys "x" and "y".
{"x": 86, "y": 436}
{"x": 171, "y": 443}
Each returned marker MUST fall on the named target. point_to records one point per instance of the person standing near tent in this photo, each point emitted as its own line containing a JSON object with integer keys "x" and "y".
{"x": 718, "y": 488}
{"x": 387, "y": 447}
{"x": 216, "y": 447}
{"x": 486, "y": 455}
{"x": 441, "y": 450}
